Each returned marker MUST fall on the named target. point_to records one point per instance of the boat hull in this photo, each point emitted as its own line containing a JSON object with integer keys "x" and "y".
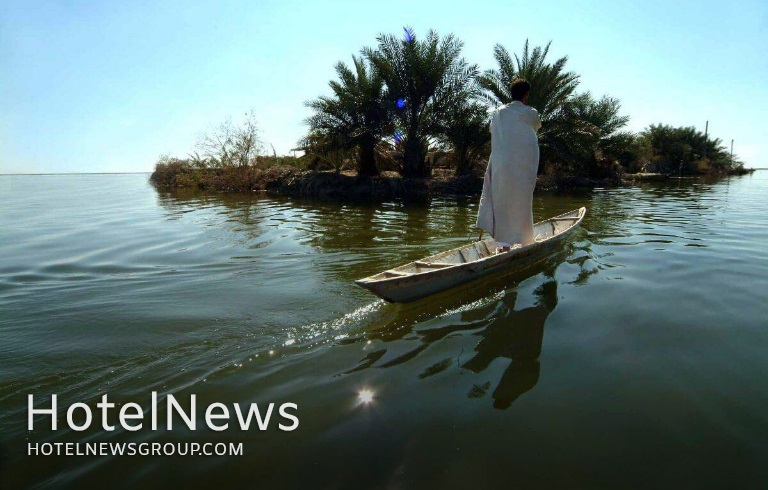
{"x": 401, "y": 286}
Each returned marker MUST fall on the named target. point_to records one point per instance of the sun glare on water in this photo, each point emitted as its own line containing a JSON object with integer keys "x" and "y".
{"x": 365, "y": 396}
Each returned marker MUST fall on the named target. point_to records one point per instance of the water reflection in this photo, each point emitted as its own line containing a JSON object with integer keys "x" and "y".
{"x": 362, "y": 238}
{"x": 516, "y": 335}
{"x": 488, "y": 311}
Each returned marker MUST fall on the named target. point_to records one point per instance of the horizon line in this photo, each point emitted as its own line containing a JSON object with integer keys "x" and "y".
{"x": 80, "y": 173}
{"x": 149, "y": 172}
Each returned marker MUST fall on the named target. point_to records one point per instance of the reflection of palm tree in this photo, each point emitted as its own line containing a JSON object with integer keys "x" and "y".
{"x": 516, "y": 335}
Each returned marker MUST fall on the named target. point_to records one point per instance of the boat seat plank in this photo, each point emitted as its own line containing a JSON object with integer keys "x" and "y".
{"x": 433, "y": 264}
{"x": 397, "y": 273}
{"x": 463, "y": 256}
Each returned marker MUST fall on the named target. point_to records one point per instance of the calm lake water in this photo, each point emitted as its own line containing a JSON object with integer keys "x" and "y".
{"x": 635, "y": 357}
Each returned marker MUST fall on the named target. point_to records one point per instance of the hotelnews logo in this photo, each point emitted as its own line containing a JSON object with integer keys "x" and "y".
{"x": 131, "y": 417}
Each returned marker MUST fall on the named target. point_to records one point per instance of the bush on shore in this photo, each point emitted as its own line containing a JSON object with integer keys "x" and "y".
{"x": 267, "y": 174}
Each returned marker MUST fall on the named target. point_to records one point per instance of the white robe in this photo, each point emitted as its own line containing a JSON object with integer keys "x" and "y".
{"x": 506, "y": 203}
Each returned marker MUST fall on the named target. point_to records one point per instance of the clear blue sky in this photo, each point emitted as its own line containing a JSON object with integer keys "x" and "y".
{"x": 109, "y": 86}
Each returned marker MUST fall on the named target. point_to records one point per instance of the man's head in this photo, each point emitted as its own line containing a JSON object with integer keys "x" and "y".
{"x": 520, "y": 90}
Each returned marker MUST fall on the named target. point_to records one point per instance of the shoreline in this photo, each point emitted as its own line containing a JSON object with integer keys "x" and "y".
{"x": 348, "y": 186}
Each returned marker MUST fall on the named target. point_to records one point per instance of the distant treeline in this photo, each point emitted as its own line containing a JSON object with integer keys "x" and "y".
{"x": 412, "y": 105}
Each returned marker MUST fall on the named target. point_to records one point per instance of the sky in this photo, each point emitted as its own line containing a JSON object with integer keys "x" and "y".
{"x": 107, "y": 86}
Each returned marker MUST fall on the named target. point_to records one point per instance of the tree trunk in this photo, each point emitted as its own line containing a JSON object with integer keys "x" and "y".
{"x": 463, "y": 166}
{"x": 414, "y": 164}
{"x": 367, "y": 162}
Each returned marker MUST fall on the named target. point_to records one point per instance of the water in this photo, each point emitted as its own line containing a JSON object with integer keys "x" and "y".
{"x": 634, "y": 357}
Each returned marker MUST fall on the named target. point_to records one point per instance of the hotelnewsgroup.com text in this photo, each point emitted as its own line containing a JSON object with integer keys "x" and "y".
{"x": 134, "y": 449}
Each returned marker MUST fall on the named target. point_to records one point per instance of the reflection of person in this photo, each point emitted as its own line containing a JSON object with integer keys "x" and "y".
{"x": 517, "y": 335}
{"x": 506, "y": 202}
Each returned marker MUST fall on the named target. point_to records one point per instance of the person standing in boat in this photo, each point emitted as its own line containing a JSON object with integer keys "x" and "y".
{"x": 507, "y": 199}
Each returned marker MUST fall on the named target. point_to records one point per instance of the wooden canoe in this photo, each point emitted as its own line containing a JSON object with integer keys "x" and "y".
{"x": 445, "y": 270}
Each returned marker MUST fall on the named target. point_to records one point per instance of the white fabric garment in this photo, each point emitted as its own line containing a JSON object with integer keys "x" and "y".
{"x": 506, "y": 203}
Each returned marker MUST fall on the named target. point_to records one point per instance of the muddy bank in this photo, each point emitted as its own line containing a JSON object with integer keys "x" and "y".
{"x": 294, "y": 182}
{"x": 297, "y": 182}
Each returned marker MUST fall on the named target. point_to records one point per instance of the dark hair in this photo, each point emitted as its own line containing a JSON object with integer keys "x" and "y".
{"x": 520, "y": 87}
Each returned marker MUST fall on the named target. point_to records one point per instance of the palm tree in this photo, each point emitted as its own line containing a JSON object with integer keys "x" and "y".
{"x": 329, "y": 149}
{"x": 601, "y": 123}
{"x": 356, "y": 116}
{"x": 562, "y": 136}
{"x": 467, "y": 135}
{"x": 551, "y": 84}
{"x": 424, "y": 78}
